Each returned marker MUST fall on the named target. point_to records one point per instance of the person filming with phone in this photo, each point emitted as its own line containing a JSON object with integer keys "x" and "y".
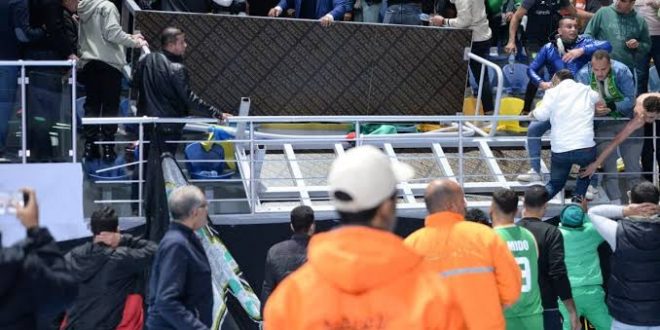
{"x": 34, "y": 279}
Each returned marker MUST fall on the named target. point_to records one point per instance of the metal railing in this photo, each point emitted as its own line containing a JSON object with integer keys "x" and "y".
{"x": 277, "y": 171}
{"x": 23, "y": 81}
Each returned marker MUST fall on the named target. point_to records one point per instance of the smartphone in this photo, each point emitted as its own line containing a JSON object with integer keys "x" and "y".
{"x": 9, "y": 200}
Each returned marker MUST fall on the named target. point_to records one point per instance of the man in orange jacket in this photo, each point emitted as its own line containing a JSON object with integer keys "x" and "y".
{"x": 360, "y": 275}
{"x": 471, "y": 257}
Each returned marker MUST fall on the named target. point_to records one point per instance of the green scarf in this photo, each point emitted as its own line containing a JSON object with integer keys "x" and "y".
{"x": 612, "y": 92}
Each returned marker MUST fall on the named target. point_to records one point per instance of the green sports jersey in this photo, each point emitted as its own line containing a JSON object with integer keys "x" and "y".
{"x": 523, "y": 246}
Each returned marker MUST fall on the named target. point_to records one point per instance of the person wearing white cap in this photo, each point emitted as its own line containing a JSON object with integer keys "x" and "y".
{"x": 360, "y": 275}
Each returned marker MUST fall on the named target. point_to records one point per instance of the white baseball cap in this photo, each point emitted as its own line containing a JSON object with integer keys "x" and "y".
{"x": 364, "y": 177}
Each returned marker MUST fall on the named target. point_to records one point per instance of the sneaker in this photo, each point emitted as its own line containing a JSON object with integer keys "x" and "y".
{"x": 91, "y": 151}
{"x": 592, "y": 193}
{"x": 493, "y": 52}
{"x": 530, "y": 176}
{"x": 576, "y": 200}
{"x": 109, "y": 154}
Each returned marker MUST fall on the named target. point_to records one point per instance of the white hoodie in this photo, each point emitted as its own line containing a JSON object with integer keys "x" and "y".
{"x": 101, "y": 37}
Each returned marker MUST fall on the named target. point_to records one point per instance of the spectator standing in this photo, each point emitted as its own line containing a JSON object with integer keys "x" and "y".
{"x": 34, "y": 275}
{"x": 107, "y": 271}
{"x": 542, "y": 22}
{"x": 649, "y": 9}
{"x": 285, "y": 257}
{"x": 164, "y": 87}
{"x": 527, "y": 312}
{"x": 581, "y": 241}
{"x": 368, "y": 11}
{"x": 553, "y": 278}
{"x": 360, "y": 275}
{"x": 471, "y": 14}
{"x": 647, "y": 108}
{"x": 633, "y": 295}
{"x": 569, "y": 106}
{"x": 15, "y": 33}
{"x": 615, "y": 85}
{"x": 627, "y": 32}
{"x": 326, "y": 11}
{"x": 569, "y": 51}
{"x": 187, "y": 6}
{"x": 471, "y": 257}
{"x": 180, "y": 289}
{"x": 102, "y": 58}
{"x": 46, "y": 83}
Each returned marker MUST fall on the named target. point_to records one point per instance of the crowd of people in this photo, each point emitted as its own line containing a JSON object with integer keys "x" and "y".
{"x": 509, "y": 269}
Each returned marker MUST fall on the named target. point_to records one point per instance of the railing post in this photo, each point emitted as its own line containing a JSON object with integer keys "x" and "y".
{"x": 23, "y": 114}
{"x": 655, "y": 155}
{"x": 140, "y": 167}
{"x": 253, "y": 181}
{"x": 461, "y": 180}
{"x": 358, "y": 140}
{"x": 74, "y": 124}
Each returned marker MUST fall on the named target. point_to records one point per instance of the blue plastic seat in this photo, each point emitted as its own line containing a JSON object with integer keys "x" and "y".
{"x": 211, "y": 165}
{"x": 515, "y": 78}
{"x": 117, "y": 174}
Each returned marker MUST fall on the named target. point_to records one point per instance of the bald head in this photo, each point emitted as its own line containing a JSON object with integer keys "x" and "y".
{"x": 444, "y": 195}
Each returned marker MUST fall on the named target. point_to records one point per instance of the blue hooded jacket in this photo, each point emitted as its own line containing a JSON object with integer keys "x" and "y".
{"x": 336, "y": 8}
{"x": 550, "y": 57}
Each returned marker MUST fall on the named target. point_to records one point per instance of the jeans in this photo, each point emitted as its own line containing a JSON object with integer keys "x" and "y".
{"x": 616, "y": 325}
{"x": 551, "y": 319}
{"x": 642, "y": 69}
{"x": 630, "y": 150}
{"x": 647, "y": 149}
{"x": 103, "y": 85}
{"x": 8, "y": 86}
{"x": 403, "y": 14}
{"x": 560, "y": 168}
{"x": 369, "y": 13}
{"x": 535, "y": 131}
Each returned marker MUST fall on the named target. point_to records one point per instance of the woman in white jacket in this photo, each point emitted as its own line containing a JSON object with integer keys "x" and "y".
{"x": 102, "y": 57}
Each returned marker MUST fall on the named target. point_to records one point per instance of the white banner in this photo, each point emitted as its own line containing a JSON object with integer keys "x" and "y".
{"x": 59, "y": 189}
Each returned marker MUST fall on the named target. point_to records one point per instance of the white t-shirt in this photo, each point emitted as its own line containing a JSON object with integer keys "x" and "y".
{"x": 570, "y": 108}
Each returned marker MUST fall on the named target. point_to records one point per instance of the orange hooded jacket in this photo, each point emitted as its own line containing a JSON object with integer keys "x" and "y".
{"x": 361, "y": 278}
{"x": 476, "y": 263}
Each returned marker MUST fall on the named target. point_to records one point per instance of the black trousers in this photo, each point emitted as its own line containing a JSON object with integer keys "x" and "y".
{"x": 647, "y": 150}
{"x": 532, "y": 47}
{"x": 103, "y": 87}
{"x": 480, "y": 48}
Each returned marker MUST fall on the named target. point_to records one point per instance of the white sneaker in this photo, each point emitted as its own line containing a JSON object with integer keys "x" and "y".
{"x": 592, "y": 193}
{"x": 530, "y": 176}
{"x": 493, "y": 52}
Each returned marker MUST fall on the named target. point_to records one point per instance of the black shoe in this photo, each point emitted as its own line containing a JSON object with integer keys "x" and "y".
{"x": 109, "y": 154}
{"x": 91, "y": 151}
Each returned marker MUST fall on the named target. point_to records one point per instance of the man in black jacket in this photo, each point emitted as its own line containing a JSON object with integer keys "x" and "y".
{"x": 553, "y": 278}
{"x": 285, "y": 257}
{"x": 634, "y": 285}
{"x": 33, "y": 275}
{"x": 180, "y": 289}
{"x": 107, "y": 270}
{"x": 164, "y": 87}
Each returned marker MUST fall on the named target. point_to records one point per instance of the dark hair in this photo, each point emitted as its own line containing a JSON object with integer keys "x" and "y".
{"x": 104, "y": 219}
{"x": 536, "y": 196}
{"x": 302, "y": 218}
{"x": 506, "y": 200}
{"x": 566, "y": 18}
{"x": 652, "y": 104}
{"x": 363, "y": 218}
{"x": 477, "y": 215}
{"x": 564, "y": 74}
{"x": 601, "y": 54}
{"x": 644, "y": 192}
{"x": 169, "y": 35}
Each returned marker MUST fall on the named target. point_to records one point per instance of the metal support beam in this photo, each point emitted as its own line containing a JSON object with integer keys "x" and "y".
{"x": 297, "y": 175}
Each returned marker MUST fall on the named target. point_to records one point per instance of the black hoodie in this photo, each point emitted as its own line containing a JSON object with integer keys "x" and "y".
{"x": 105, "y": 277}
